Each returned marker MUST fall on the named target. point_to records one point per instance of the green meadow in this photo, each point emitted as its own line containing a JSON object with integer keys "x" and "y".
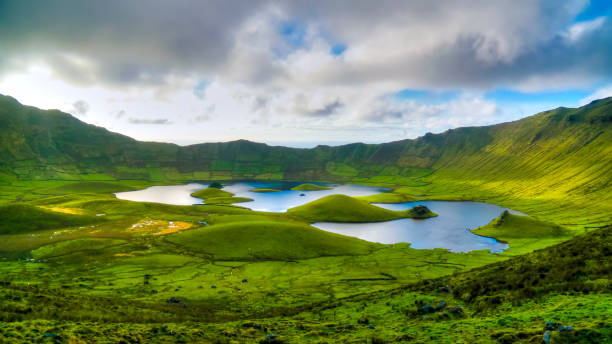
{"x": 78, "y": 265}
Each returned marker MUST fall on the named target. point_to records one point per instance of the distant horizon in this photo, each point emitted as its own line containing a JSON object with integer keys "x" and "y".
{"x": 290, "y": 144}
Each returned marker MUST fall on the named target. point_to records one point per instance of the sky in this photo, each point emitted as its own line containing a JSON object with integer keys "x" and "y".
{"x": 302, "y": 73}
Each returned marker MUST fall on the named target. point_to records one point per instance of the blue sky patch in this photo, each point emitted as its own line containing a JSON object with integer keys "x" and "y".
{"x": 337, "y": 49}
{"x": 293, "y": 33}
{"x": 559, "y": 98}
{"x": 595, "y": 9}
{"x": 424, "y": 96}
{"x": 198, "y": 90}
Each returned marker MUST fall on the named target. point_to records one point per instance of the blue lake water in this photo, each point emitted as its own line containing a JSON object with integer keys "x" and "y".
{"x": 285, "y": 199}
{"x": 450, "y": 230}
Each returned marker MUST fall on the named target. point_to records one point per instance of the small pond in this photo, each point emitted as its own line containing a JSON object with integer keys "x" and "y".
{"x": 450, "y": 230}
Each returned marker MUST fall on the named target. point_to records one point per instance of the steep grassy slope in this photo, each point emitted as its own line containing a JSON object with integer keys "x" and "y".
{"x": 556, "y": 165}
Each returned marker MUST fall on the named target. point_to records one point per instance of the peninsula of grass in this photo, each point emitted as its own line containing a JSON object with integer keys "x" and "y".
{"x": 341, "y": 208}
{"x": 268, "y": 240}
{"x": 523, "y": 233}
{"x": 265, "y": 190}
{"x": 310, "y": 187}
{"x": 213, "y": 195}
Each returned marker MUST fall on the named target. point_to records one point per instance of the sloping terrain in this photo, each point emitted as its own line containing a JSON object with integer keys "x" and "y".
{"x": 561, "y": 157}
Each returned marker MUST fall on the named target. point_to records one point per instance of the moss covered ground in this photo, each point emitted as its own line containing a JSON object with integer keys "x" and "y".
{"x": 85, "y": 267}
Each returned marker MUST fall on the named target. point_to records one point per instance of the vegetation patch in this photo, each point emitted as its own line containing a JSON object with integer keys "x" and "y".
{"x": 21, "y": 218}
{"x": 265, "y": 190}
{"x": 89, "y": 187}
{"x": 341, "y": 208}
{"x": 214, "y": 195}
{"x": 523, "y": 233}
{"x": 261, "y": 240}
{"x": 387, "y": 197}
{"x": 311, "y": 187}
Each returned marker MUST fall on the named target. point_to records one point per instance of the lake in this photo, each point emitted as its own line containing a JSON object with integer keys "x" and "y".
{"x": 450, "y": 229}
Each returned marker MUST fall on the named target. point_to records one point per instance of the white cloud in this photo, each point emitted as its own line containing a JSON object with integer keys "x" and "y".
{"x": 598, "y": 94}
{"x": 265, "y": 86}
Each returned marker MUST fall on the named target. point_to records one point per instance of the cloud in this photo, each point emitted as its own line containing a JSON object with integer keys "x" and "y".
{"x": 80, "y": 107}
{"x": 441, "y": 45}
{"x": 598, "y": 94}
{"x": 327, "y": 110}
{"x": 285, "y": 69}
{"x": 149, "y": 121}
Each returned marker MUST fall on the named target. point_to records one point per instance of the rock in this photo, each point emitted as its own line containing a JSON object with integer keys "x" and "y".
{"x": 426, "y": 309}
{"x": 440, "y": 306}
{"x": 444, "y": 289}
{"x": 252, "y": 325}
{"x": 546, "y": 338}
{"x": 302, "y": 194}
{"x": 173, "y": 300}
{"x": 551, "y": 326}
{"x": 455, "y": 310}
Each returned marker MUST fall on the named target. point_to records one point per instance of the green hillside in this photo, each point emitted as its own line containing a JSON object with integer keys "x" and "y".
{"x": 561, "y": 157}
{"x": 341, "y": 208}
{"x": 20, "y": 218}
{"x": 310, "y": 187}
{"x": 268, "y": 240}
{"x": 81, "y": 266}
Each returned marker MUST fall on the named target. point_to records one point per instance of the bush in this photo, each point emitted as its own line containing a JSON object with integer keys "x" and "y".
{"x": 215, "y": 185}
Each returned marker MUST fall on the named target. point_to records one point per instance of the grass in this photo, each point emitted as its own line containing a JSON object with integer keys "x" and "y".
{"x": 310, "y": 187}
{"x": 387, "y": 197}
{"x": 21, "y": 218}
{"x": 213, "y": 195}
{"x": 341, "y": 208}
{"x": 102, "y": 282}
{"x": 524, "y": 234}
{"x": 261, "y": 240}
{"x": 265, "y": 190}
